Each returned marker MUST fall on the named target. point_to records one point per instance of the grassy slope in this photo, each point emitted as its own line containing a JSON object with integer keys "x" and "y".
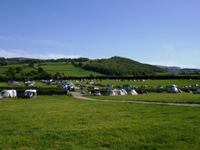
{"x": 62, "y": 122}
{"x": 52, "y": 68}
{"x": 25, "y": 67}
{"x": 67, "y": 69}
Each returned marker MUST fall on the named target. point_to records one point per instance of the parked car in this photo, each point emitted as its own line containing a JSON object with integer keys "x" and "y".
{"x": 97, "y": 93}
{"x": 197, "y": 91}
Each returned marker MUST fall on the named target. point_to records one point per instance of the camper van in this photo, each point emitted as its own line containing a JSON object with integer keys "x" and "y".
{"x": 8, "y": 93}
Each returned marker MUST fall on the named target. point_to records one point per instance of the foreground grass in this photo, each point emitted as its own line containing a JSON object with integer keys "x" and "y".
{"x": 62, "y": 122}
{"x": 156, "y": 97}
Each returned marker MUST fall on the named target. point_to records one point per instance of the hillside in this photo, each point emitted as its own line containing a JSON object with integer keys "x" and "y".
{"x": 178, "y": 70}
{"x": 43, "y": 70}
{"x": 121, "y": 66}
{"x": 26, "y": 68}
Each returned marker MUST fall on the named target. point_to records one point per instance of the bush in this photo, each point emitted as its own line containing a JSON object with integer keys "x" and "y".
{"x": 51, "y": 91}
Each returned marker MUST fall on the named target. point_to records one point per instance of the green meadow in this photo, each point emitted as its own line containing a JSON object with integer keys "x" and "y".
{"x": 155, "y": 97}
{"x": 68, "y": 69}
{"x": 150, "y": 82}
{"x": 52, "y": 68}
{"x": 63, "y": 122}
{"x": 25, "y": 68}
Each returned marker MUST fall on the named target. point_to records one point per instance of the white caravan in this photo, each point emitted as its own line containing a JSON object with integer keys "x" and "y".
{"x": 8, "y": 93}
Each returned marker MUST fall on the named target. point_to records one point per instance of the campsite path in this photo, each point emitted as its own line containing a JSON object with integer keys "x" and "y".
{"x": 78, "y": 95}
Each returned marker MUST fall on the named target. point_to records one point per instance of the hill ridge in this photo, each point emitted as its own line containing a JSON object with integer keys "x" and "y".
{"x": 121, "y": 66}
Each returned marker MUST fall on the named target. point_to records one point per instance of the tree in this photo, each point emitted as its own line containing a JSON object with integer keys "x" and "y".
{"x": 80, "y": 64}
{"x": 18, "y": 69}
{"x": 58, "y": 75}
{"x": 11, "y": 73}
{"x": 31, "y": 64}
{"x": 40, "y": 70}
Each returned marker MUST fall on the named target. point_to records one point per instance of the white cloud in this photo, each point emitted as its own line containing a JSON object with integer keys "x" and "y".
{"x": 57, "y": 56}
{"x": 22, "y": 53}
{"x": 11, "y": 53}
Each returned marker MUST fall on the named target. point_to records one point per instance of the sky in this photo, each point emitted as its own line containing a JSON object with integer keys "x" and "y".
{"x": 158, "y": 32}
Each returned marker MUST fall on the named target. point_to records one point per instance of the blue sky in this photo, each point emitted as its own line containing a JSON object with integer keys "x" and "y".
{"x": 162, "y": 32}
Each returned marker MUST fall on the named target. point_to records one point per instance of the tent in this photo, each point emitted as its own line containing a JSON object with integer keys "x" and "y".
{"x": 132, "y": 92}
{"x": 67, "y": 85}
{"x": 124, "y": 91}
{"x": 29, "y": 83}
{"x": 173, "y": 89}
{"x": 8, "y": 93}
{"x": 117, "y": 92}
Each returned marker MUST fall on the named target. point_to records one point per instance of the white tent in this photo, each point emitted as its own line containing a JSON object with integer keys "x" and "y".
{"x": 8, "y": 93}
{"x": 132, "y": 92}
{"x": 117, "y": 92}
{"x": 173, "y": 89}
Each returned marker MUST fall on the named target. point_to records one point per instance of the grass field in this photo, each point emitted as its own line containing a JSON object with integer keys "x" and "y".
{"x": 156, "y": 97}
{"x": 52, "y": 68}
{"x": 150, "y": 82}
{"x": 67, "y": 69}
{"x": 25, "y": 68}
{"x": 62, "y": 122}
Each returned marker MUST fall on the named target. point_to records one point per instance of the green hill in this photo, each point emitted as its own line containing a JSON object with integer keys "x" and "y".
{"x": 121, "y": 66}
{"x": 23, "y": 68}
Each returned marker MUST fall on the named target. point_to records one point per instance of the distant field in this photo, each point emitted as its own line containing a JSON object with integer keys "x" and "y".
{"x": 24, "y": 67}
{"x": 53, "y": 68}
{"x": 67, "y": 69}
{"x": 62, "y": 122}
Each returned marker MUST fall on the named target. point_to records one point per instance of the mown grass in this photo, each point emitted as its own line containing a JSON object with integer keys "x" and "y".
{"x": 62, "y": 122}
{"x": 156, "y": 97}
{"x": 155, "y": 83}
